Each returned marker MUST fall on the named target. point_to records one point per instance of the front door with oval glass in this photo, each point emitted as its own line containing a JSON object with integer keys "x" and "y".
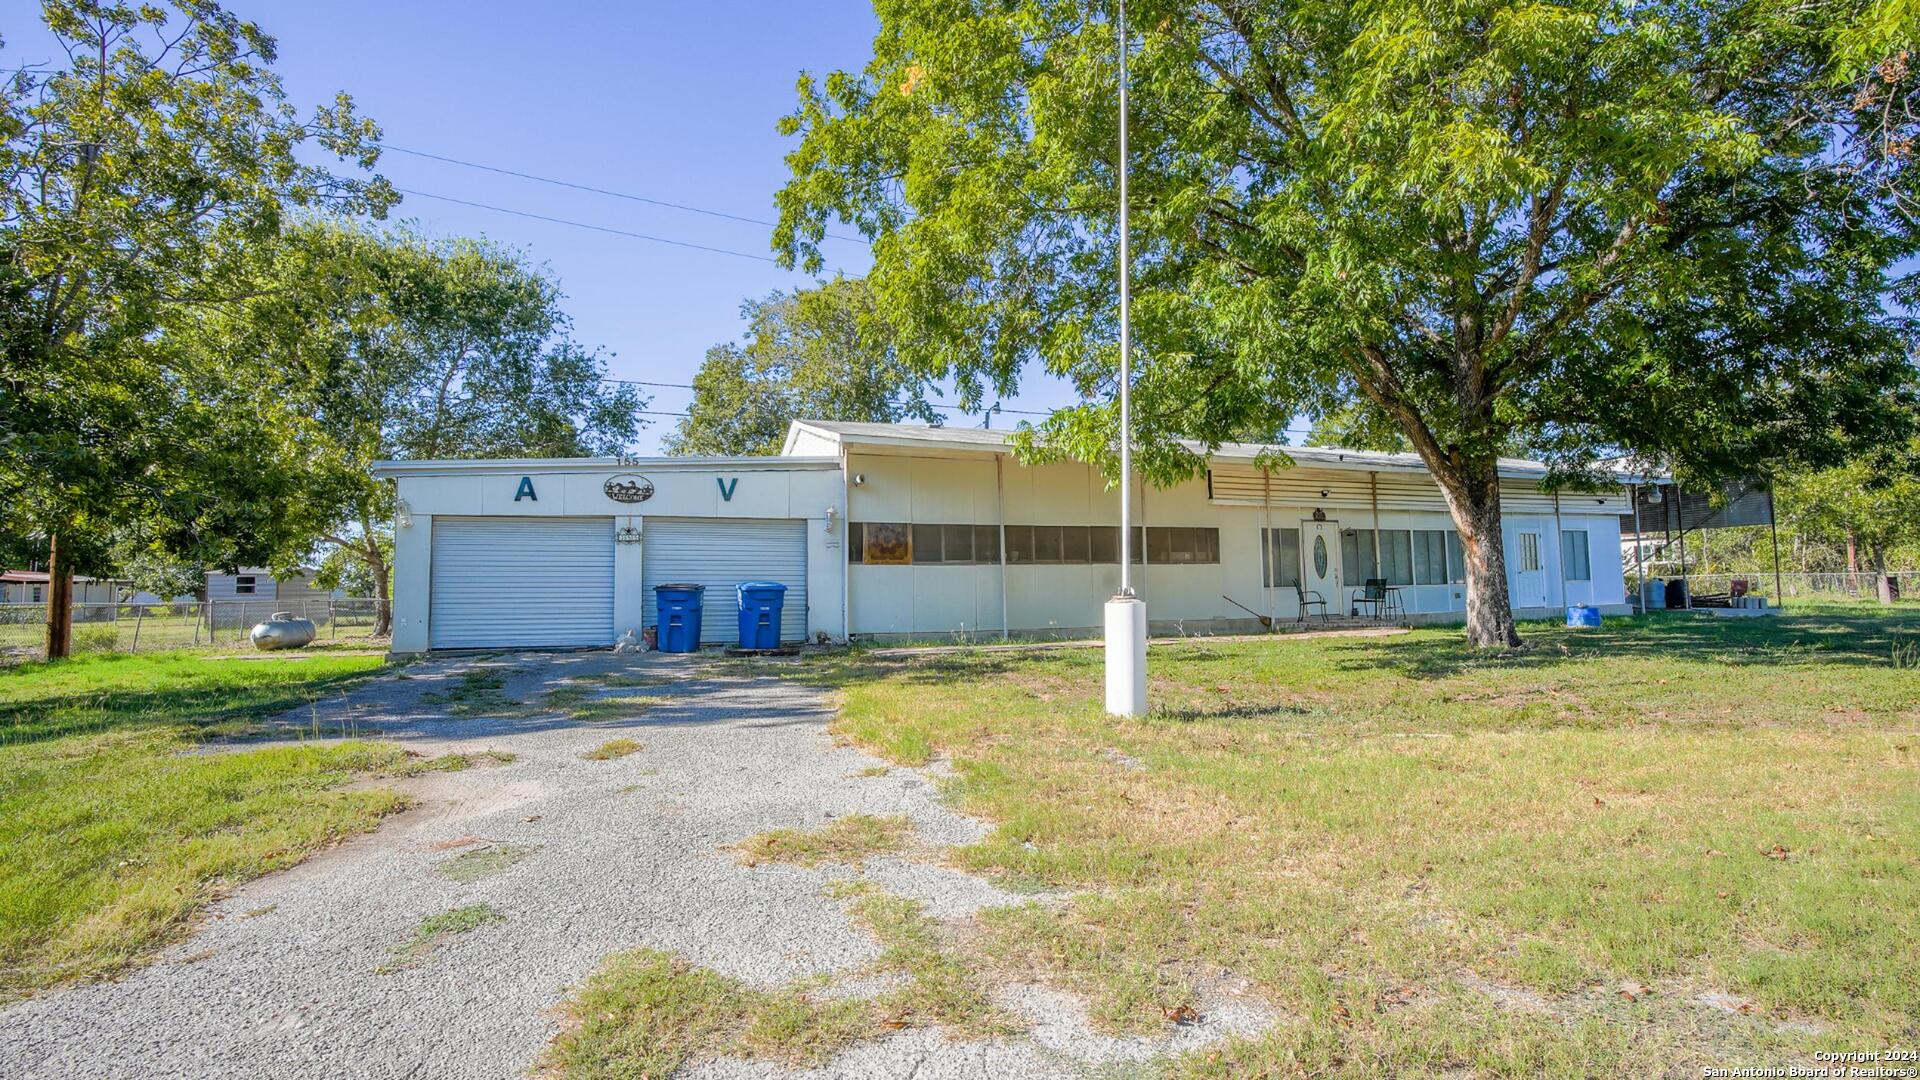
{"x": 1320, "y": 554}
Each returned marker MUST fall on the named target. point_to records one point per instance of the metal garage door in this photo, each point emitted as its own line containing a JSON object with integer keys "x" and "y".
{"x": 507, "y": 582}
{"x": 722, "y": 554}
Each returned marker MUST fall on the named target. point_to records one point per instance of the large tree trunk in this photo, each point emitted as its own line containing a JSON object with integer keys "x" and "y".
{"x": 382, "y": 602}
{"x": 59, "y": 603}
{"x": 1473, "y": 495}
{"x": 1882, "y": 584}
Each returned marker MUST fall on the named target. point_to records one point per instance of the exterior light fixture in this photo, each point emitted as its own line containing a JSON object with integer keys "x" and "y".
{"x": 832, "y": 512}
{"x": 402, "y": 514}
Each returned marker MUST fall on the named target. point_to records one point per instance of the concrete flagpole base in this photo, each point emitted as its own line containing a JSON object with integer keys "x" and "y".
{"x": 1126, "y": 625}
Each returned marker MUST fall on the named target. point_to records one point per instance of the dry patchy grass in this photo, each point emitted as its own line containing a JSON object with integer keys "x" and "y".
{"x": 612, "y": 748}
{"x": 646, "y": 1013}
{"x": 848, "y": 839}
{"x": 435, "y": 930}
{"x": 1433, "y": 860}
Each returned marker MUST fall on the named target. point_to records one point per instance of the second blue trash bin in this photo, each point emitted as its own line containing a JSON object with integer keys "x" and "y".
{"x": 760, "y": 606}
{"x": 678, "y": 609}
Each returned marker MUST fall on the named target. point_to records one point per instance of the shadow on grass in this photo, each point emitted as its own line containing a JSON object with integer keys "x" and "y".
{"x": 211, "y": 708}
{"x": 1866, "y": 638}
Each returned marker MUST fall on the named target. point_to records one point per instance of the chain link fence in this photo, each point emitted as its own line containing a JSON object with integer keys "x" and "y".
{"x": 221, "y": 625}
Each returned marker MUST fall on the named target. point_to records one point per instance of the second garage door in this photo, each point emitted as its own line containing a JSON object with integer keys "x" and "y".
{"x": 722, "y": 554}
{"x": 521, "y": 582}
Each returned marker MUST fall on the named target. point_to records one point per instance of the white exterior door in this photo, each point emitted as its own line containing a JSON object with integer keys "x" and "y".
{"x": 1320, "y": 563}
{"x": 521, "y": 582}
{"x": 721, "y": 554}
{"x": 1529, "y": 569}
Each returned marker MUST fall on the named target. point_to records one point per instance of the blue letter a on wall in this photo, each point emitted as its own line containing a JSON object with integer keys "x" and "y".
{"x": 526, "y": 490}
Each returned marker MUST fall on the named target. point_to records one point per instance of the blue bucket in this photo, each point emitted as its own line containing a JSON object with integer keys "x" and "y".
{"x": 1583, "y": 615}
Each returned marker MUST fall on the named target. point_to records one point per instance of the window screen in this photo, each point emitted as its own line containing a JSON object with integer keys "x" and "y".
{"x": 986, "y": 543}
{"x": 1575, "y": 556}
{"x": 1529, "y": 551}
{"x": 926, "y": 544}
{"x": 1280, "y": 558}
{"x": 1430, "y": 557}
{"x": 1020, "y": 544}
{"x": 1396, "y": 557}
{"x": 1456, "y": 559}
{"x": 1356, "y": 556}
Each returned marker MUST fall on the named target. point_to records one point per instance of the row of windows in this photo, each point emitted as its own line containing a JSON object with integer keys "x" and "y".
{"x": 1410, "y": 556}
{"x": 1406, "y": 556}
{"x": 898, "y": 544}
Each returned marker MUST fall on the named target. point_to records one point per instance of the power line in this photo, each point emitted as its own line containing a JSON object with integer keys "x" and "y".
{"x": 585, "y": 225}
{"x": 629, "y": 196}
{"x": 930, "y": 404}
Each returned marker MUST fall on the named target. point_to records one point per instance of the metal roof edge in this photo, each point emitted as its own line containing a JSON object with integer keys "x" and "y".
{"x": 489, "y": 466}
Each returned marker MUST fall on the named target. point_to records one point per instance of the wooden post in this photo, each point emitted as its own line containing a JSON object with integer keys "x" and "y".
{"x": 139, "y": 616}
{"x": 1680, "y": 515}
{"x": 59, "y": 603}
{"x": 1639, "y": 546}
{"x": 1773, "y": 527}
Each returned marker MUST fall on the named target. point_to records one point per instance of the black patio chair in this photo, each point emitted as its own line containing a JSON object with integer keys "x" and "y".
{"x": 1308, "y": 599}
{"x": 1372, "y": 595}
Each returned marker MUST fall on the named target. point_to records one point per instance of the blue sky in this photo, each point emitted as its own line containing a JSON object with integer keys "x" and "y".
{"x": 675, "y": 102}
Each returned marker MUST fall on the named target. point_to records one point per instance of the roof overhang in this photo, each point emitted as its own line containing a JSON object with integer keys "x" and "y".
{"x": 493, "y": 466}
{"x": 907, "y": 439}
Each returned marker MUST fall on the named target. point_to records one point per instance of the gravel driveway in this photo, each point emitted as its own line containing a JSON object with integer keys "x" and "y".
{"x": 283, "y": 978}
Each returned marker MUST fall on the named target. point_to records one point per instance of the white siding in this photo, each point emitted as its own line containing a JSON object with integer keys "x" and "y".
{"x": 723, "y": 554}
{"x": 521, "y": 582}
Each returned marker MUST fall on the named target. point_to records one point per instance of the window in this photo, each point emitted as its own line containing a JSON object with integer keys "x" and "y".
{"x": 896, "y": 544}
{"x": 1575, "y": 557}
{"x": 39, "y": 595}
{"x": 986, "y": 543}
{"x": 1456, "y": 559}
{"x": 1019, "y": 543}
{"x": 887, "y": 544}
{"x": 1046, "y": 543}
{"x": 243, "y": 585}
{"x": 1396, "y": 557}
{"x": 1103, "y": 545}
{"x": 1529, "y": 551}
{"x": 1430, "y": 556}
{"x": 1280, "y": 558}
{"x": 1356, "y": 556}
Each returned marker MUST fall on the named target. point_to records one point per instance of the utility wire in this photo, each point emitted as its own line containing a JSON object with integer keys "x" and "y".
{"x": 948, "y": 408}
{"x": 629, "y": 196}
{"x": 586, "y": 225}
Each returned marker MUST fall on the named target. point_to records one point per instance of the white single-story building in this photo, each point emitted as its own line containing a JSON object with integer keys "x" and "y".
{"x": 897, "y": 531}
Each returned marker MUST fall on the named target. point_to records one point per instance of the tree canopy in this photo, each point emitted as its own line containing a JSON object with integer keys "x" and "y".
{"x": 134, "y": 181}
{"x": 824, "y": 353}
{"x": 1587, "y": 227}
{"x": 390, "y": 345}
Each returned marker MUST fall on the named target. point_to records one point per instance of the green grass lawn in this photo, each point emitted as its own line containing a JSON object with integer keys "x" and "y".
{"x": 115, "y": 831}
{"x": 1663, "y": 844}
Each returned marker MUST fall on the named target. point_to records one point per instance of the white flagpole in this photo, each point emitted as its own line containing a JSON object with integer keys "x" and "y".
{"x": 1126, "y": 615}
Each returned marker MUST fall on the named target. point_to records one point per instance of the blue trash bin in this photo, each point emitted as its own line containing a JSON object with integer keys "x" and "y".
{"x": 678, "y": 608}
{"x": 760, "y": 606}
{"x": 1583, "y": 615}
